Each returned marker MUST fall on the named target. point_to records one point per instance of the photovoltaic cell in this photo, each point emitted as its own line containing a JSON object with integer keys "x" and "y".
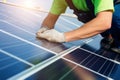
{"x": 64, "y": 70}
{"x": 6, "y": 41}
{"x": 102, "y": 52}
{"x": 93, "y": 62}
{"x": 10, "y": 66}
{"x": 108, "y": 54}
{"x": 19, "y": 25}
{"x": 25, "y": 51}
{"x": 95, "y": 47}
{"x": 115, "y": 74}
{"x": 31, "y": 37}
{"x": 77, "y": 56}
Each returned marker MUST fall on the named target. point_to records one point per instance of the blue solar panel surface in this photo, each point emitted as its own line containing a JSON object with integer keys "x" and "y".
{"x": 21, "y": 51}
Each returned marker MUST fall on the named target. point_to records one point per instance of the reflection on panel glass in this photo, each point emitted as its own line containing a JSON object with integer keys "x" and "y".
{"x": 54, "y": 71}
{"x": 7, "y": 41}
{"x": 94, "y": 62}
{"x": 10, "y": 66}
{"x": 109, "y": 54}
{"x": 64, "y": 70}
{"x": 56, "y": 47}
{"x": 81, "y": 74}
{"x": 28, "y": 35}
{"x": 25, "y": 51}
{"x": 27, "y": 23}
{"x": 94, "y": 45}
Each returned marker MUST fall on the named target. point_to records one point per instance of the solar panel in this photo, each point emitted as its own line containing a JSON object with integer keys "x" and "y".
{"x": 10, "y": 66}
{"x": 64, "y": 70}
{"x": 27, "y": 51}
{"x": 23, "y": 56}
{"x": 100, "y": 64}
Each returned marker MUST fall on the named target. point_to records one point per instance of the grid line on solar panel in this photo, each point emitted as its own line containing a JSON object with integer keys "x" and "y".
{"x": 57, "y": 70}
{"x": 88, "y": 69}
{"x": 29, "y": 35}
{"x": 22, "y": 36}
{"x": 27, "y": 51}
{"x": 41, "y": 65}
{"x": 8, "y": 41}
{"x": 107, "y": 54}
{"x": 16, "y": 26}
{"x": 111, "y": 70}
{"x": 26, "y": 41}
{"x": 10, "y": 66}
{"x": 64, "y": 70}
{"x": 68, "y": 73}
{"x": 16, "y": 57}
{"x": 84, "y": 42}
{"x": 100, "y": 74}
{"x": 4, "y": 67}
{"x": 1, "y": 30}
{"x": 19, "y": 33}
{"x": 99, "y": 64}
{"x": 86, "y": 39}
{"x": 101, "y": 56}
{"x": 34, "y": 40}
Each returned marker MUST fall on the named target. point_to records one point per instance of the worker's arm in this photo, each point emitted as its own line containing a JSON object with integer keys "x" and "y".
{"x": 98, "y": 25}
{"x": 48, "y": 23}
{"x": 50, "y": 20}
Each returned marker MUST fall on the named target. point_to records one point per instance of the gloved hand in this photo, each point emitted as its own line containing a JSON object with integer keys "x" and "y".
{"x": 41, "y": 30}
{"x": 52, "y": 35}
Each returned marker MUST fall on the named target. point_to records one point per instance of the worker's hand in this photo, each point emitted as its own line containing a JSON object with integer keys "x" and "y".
{"x": 52, "y": 35}
{"x": 41, "y": 30}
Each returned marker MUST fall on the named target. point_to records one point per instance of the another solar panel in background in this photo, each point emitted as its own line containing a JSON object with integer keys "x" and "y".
{"x": 64, "y": 70}
{"x": 98, "y": 63}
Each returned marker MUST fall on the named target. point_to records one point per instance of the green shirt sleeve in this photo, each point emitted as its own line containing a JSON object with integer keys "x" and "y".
{"x": 58, "y": 7}
{"x": 102, "y": 5}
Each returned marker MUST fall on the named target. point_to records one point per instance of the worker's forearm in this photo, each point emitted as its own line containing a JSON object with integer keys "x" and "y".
{"x": 80, "y": 33}
{"x": 94, "y": 27}
{"x": 50, "y": 20}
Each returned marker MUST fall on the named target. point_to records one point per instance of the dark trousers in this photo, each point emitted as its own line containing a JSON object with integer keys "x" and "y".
{"x": 115, "y": 28}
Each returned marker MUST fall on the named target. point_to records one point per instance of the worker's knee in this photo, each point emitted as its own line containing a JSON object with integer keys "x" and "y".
{"x": 116, "y": 17}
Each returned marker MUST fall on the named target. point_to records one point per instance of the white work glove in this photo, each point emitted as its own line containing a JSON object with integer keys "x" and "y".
{"x": 41, "y": 30}
{"x": 53, "y": 36}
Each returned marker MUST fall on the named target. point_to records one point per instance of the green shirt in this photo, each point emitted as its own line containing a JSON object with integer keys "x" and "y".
{"x": 59, "y": 6}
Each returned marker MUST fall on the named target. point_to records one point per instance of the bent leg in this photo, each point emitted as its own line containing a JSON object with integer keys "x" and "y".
{"x": 115, "y": 29}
